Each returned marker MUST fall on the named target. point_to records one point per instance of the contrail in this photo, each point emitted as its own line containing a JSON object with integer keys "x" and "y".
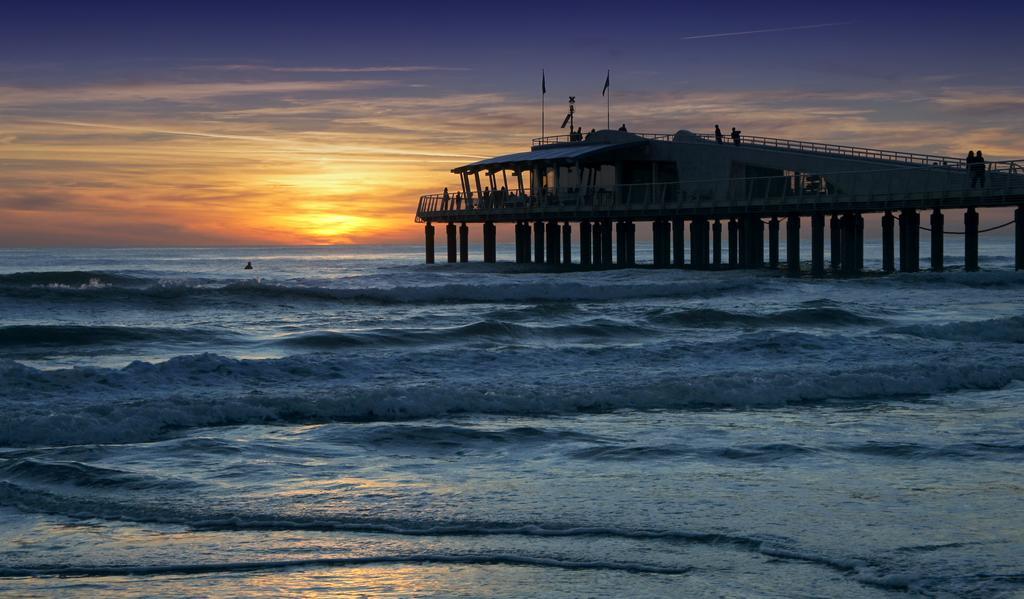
{"x": 798, "y": 27}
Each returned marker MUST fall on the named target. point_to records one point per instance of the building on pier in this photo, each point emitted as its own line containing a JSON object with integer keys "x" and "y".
{"x": 693, "y": 191}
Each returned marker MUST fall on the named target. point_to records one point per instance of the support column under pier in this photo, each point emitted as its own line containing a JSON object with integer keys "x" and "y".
{"x": 753, "y": 230}
{"x": 793, "y": 245}
{"x": 631, "y": 243}
{"x": 835, "y": 248}
{"x": 888, "y": 249}
{"x": 620, "y": 243}
{"x": 538, "y": 242}
{"x": 598, "y": 253}
{"x": 716, "y": 243}
{"x": 1018, "y": 238}
{"x": 678, "y": 242}
{"x": 733, "y": 234}
{"x": 428, "y": 237}
{"x": 519, "y": 243}
{"x": 773, "y": 242}
{"x": 449, "y": 231}
{"x": 818, "y": 245}
{"x": 859, "y": 241}
{"x": 567, "y": 243}
{"x": 463, "y": 242}
{"x": 848, "y": 243}
{"x": 553, "y": 255}
{"x": 490, "y": 245}
{"x": 585, "y": 243}
{"x": 909, "y": 241}
{"x": 606, "y": 242}
{"x": 971, "y": 240}
{"x": 938, "y": 249}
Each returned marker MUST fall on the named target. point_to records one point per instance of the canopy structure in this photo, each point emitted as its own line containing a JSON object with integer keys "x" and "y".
{"x": 567, "y": 154}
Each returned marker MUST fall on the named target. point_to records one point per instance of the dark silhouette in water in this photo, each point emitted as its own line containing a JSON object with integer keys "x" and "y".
{"x": 248, "y": 265}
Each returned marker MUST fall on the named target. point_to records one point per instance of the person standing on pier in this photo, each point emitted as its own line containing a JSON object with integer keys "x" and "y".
{"x": 979, "y": 169}
{"x": 735, "y": 135}
{"x": 445, "y": 199}
{"x": 718, "y": 134}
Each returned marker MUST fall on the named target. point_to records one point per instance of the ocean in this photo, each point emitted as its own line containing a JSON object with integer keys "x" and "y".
{"x": 350, "y": 421}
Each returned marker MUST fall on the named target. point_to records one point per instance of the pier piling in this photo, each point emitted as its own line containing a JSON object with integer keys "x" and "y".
{"x": 538, "y": 242}
{"x": 490, "y": 242}
{"x": 463, "y": 242}
{"x": 1018, "y": 238}
{"x": 450, "y": 240}
{"x": 971, "y": 240}
{"x": 620, "y": 242}
{"x": 793, "y": 244}
{"x": 678, "y": 242}
{"x": 567, "y": 243}
{"x": 553, "y": 255}
{"x": 888, "y": 249}
{"x": 733, "y": 235}
{"x": 585, "y": 243}
{"x": 835, "y": 228}
{"x": 773, "y": 242}
{"x": 428, "y": 236}
{"x": 606, "y": 242}
{"x": 598, "y": 253}
{"x": 716, "y": 243}
{"x": 818, "y": 245}
{"x": 937, "y": 222}
{"x": 631, "y": 243}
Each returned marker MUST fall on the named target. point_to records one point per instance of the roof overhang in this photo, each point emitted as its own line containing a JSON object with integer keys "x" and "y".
{"x": 567, "y": 154}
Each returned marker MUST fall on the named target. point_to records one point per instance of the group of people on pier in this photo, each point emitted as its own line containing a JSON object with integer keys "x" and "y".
{"x": 735, "y": 135}
{"x": 976, "y": 168}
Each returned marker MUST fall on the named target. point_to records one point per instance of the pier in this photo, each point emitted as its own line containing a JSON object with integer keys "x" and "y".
{"x": 690, "y": 191}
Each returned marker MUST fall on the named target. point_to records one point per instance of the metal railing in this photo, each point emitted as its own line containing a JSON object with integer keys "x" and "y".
{"x": 870, "y": 189}
{"x": 574, "y": 138}
{"x": 789, "y": 145}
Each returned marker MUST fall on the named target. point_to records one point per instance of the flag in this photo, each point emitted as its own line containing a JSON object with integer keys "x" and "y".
{"x": 607, "y": 82}
{"x": 543, "y": 83}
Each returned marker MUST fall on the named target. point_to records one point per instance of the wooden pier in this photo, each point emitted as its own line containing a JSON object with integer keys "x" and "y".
{"x": 691, "y": 190}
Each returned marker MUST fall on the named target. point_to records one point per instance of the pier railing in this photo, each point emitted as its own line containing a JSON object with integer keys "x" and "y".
{"x": 788, "y": 145}
{"x": 872, "y": 190}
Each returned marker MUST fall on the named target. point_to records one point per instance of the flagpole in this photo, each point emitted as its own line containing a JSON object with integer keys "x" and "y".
{"x": 609, "y": 78}
{"x": 543, "y": 92}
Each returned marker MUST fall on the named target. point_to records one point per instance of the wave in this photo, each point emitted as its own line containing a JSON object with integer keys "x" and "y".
{"x": 144, "y": 401}
{"x": 77, "y": 474}
{"x": 15, "y": 336}
{"x": 67, "y": 279}
{"x": 1000, "y": 330}
{"x": 807, "y": 316}
{"x": 486, "y": 329}
{"x": 748, "y": 453}
{"x": 412, "y": 558}
{"x": 114, "y": 288}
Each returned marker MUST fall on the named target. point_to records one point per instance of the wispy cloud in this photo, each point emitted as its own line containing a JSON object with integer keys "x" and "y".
{"x": 773, "y": 30}
{"x": 324, "y": 69}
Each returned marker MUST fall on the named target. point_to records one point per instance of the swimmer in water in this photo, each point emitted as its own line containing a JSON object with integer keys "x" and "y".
{"x": 248, "y": 265}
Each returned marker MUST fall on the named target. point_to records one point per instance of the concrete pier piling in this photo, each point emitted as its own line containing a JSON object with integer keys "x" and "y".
{"x": 490, "y": 242}
{"x": 597, "y": 255}
{"x": 888, "y": 239}
{"x": 678, "y": 242}
{"x": 818, "y": 245}
{"x": 606, "y": 242}
{"x": 449, "y": 231}
{"x": 773, "y": 242}
{"x": 585, "y": 241}
{"x": 793, "y": 245}
{"x": 859, "y": 242}
{"x": 463, "y": 242}
{"x": 910, "y": 222}
{"x": 553, "y": 235}
{"x": 733, "y": 242}
{"x": 620, "y": 242}
{"x": 1018, "y": 237}
{"x": 428, "y": 236}
{"x": 937, "y": 225}
{"x": 631, "y": 243}
{"x": 716, "y": 243}
{"x": 538, "y": 242}
{"x": 835, "y": 229}
{"x": 567, "y": 243}
{"x": 971, "y": 240}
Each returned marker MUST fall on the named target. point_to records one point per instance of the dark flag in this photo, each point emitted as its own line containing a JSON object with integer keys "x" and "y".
{"x": 607, "y": 83}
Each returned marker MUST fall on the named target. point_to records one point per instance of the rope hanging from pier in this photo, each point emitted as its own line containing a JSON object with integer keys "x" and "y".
{"x": 965, "y": 232}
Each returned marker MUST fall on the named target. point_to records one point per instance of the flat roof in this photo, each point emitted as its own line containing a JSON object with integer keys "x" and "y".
{"x": 566, "y": 153}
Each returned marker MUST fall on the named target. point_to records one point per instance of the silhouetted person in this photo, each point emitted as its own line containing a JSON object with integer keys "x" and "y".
{"x": 718, "y": 134}
{"x": 623, "y": 128}
{"x": 458, "y": 200}
{"x": 979, "y": 169}
{"x": 248, "y": 265}
{"x": 445, "y": 199}
{"x": 735, "y": 135}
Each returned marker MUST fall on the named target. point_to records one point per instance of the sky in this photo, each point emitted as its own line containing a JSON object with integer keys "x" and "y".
{"x": 258, "y": 123}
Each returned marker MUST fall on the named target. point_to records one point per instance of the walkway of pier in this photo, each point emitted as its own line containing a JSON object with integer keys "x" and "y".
{"x": 719, "y": 222}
